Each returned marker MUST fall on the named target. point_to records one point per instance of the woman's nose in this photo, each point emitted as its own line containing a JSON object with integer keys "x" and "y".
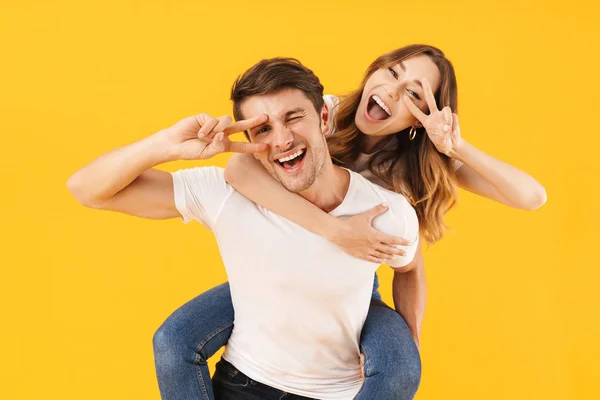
{"x": 394, "y": 91}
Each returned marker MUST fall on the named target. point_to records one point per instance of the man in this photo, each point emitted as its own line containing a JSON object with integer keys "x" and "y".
{"x": 300, "y": 336}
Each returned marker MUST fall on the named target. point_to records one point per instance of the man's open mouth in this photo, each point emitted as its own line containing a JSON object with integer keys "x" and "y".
{"x": 292, "y": 160}
{"x": 377, "y": 109}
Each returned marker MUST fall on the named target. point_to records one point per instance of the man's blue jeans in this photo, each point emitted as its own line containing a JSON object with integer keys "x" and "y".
{"x": 231, "y": 384}
{"x": 199, "y": 328}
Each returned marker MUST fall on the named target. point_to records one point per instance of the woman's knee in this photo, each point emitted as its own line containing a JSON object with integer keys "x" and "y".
{"x": 167, "y": 344}
{"x": 389, "y": 350}
{"x": 397, "y": 368}
{"x": 196, "y": 330}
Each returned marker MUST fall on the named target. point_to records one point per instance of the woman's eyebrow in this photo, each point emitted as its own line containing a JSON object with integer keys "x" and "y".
{"x": 403, "y": 67}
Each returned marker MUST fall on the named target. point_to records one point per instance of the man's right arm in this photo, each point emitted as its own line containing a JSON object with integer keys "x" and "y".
{"x": 124, "y": 179}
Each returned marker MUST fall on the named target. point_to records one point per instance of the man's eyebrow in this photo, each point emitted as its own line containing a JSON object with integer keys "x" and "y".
{"x": 292, "y": 112}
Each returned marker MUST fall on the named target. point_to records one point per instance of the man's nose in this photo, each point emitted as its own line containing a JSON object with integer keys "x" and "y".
{"x": 282, "y": 138}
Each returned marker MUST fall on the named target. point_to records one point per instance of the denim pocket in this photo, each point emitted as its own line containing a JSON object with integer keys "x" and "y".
{"x": 228, "y": 374}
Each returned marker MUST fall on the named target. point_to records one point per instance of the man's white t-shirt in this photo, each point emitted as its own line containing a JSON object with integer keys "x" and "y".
{"x": 361, "y": 165}
{"x": 300, "y": 302}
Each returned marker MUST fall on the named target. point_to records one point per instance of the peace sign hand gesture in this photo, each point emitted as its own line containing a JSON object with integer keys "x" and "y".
{"x": 441, "y": 126}
{"x": 201, "y": 136}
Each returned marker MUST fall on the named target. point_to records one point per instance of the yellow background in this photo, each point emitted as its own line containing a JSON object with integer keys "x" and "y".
{"x": 513, "y": 297}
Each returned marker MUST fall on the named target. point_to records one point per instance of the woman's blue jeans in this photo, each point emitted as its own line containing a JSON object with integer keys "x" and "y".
{"x": 199, "y": 328}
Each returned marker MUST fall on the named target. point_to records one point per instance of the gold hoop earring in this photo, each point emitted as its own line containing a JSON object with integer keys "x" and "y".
{"x": 413, "y": 133}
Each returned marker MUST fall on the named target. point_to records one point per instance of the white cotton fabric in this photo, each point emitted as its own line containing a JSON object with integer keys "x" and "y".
{"x": 300, "y": 302}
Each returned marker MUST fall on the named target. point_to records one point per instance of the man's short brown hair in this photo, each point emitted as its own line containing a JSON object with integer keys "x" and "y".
{"x": 273, "y": 75}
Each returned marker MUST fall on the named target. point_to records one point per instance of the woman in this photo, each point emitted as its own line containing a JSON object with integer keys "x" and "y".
{"x": 383, "y": 132}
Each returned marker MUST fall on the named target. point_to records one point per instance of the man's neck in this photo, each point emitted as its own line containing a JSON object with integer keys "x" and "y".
{"x": 329, "y": 189}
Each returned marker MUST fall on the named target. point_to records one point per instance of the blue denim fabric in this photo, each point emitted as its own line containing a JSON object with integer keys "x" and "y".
{"x": 195, "y": 331}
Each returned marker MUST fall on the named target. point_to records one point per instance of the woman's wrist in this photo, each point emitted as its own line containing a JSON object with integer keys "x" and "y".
{"x": 333, "y": 228}
{"x": 458, "y": 150}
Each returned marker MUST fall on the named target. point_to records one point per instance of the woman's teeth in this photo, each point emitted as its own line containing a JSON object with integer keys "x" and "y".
{"x": 382, "y": 105}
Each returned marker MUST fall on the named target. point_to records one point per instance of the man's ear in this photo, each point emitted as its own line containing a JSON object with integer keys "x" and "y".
{"x": 325, "y": 120}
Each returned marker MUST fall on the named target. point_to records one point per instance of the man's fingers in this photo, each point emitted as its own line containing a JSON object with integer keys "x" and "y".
{"x": 208, "y": 124}
{"x": 217, "y": 142}
{"x": 414, "y": 110}
{"x": 223, "y": 122}
{"x": 429, "y": 97}
{"x": 243, "y": 147}
{"x": 246, "y": 124}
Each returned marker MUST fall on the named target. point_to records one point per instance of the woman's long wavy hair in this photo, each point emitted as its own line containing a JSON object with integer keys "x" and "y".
{"x": 414, "y": 168}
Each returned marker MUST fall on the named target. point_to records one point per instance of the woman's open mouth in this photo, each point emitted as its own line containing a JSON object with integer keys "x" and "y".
{"x": 377, "y": 110}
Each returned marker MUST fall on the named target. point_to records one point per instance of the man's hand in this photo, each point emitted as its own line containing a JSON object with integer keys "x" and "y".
{"x": 201, "y": 136}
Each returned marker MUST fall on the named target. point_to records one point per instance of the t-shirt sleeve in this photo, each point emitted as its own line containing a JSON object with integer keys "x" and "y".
{"x": 331, "y": 102}
{"x": 405, "y": 224}
{"x": 200, "y": 194}
{"x": 456, "y": 164}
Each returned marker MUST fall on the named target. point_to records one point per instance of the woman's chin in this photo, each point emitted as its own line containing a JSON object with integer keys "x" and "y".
{"x": 370, "y": 129}
{"x": 365, "y": 127}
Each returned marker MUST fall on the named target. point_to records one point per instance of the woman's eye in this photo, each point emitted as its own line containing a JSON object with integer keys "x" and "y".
{"x": 394, "y": 74}
{"x": 294, "y": 119}
{"x": 262, "y": 130}
{"x": 413, "y": 94}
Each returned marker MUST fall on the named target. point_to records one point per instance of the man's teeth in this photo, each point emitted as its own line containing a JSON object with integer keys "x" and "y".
{"x": 291, "y": 157}
{"x": 382, "y": 104}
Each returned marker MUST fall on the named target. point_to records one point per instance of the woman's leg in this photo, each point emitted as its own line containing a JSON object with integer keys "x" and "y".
{"x": 391, "y": 358}
{"x": 189, "y": 337}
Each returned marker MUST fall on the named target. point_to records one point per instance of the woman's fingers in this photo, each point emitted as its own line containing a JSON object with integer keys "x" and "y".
{"x": 375, "y": 211}
{"x": 429, "y": 97}
{"x": 447, "y": 119}
{"x": 390, "y": 251}
{"x": 455, "y": 126}
{"x": 414, "y": 110}
{"x": 375, "y": 260}
{"x": 391, "y": 240}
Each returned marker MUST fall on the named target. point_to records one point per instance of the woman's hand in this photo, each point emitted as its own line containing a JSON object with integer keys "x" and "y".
{"x": 357, "y": 237}
{"x": 441, "y": 126}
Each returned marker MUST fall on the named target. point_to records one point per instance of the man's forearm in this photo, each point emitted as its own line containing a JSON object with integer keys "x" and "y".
{"x": 110, "y": 173}
{"x": 409, "y": 291}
